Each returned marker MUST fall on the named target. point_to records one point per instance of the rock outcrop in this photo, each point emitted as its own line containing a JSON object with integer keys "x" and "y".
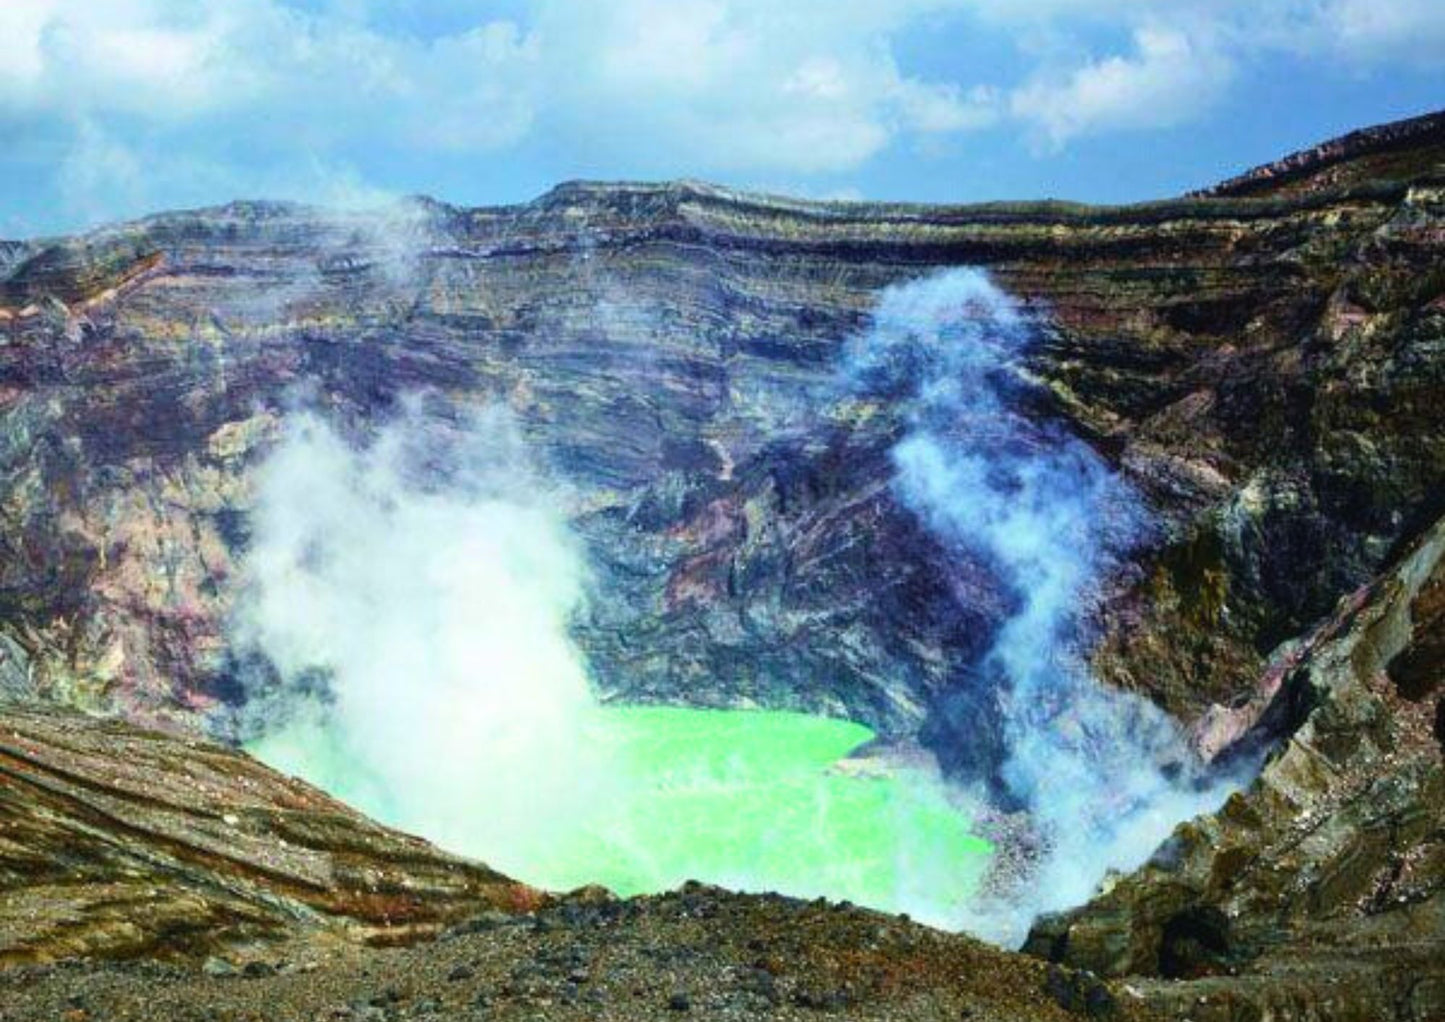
{"x": 1322, "y": 887}
{"x": 117, "y": 842}
{"x": 1383, "y": 151}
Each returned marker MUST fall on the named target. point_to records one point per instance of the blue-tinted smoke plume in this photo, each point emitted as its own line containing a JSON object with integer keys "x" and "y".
{"x": 1104, "y": 774}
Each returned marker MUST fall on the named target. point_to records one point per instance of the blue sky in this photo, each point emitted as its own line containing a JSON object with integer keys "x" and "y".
{"x": 115, "y": 108}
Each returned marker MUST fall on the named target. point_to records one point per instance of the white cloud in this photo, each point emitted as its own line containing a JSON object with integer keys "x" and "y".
{"x": 99, "y": 173}
{"x": 938, "y": 108}
{"x": 156, "y": 103}
{"x": 1169, "y": 78}
{"x": 65, "y": 56}
{"x": 718, "y": 86}
{"x": 1382, "y": 30}
{"x": 686, "y": 45}
{"x": 755, "y": 86}
{"x": 159, "y": 103}
{"x": 1186, "y": 56}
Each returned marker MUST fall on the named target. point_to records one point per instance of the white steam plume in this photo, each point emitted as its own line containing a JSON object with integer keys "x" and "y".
{"x": 413, "y": 596}
{"x": 406, "y": 606}
{"x": 1104, "y": 774}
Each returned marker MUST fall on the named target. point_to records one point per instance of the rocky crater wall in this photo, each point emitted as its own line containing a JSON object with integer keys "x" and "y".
{"x": 1266, "y": 369}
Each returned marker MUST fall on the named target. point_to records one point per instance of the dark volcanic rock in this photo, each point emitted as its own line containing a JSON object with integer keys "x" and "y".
{"x": 1268, "y": 370}
{"x": 1324, "y": 883}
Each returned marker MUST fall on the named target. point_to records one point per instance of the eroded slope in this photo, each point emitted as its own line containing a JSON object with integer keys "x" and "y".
{"x": 117, "y": 842}
{"x": 158, "y": 877}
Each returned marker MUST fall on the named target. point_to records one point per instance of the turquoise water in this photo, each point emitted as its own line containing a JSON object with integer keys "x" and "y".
{"x": 749, "y": 799}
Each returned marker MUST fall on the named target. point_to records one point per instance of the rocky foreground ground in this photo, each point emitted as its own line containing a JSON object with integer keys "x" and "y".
{"x": 700, "y": 953}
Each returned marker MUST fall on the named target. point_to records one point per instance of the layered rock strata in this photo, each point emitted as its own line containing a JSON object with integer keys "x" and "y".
{"x": 1322, "y": 887}
{"x": 1267, "y": 369}
{"x": 1265, "y": 363}
{"x": 117, "y": 842}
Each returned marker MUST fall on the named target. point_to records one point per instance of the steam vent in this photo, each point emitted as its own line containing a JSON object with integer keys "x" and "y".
{"x": 661, "y": 600}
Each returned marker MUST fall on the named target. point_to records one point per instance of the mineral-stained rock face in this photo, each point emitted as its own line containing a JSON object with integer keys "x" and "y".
{"x": 1333, "y": 863}
{"x": 1268, "y": 370}
{"x": 116, "y": 841}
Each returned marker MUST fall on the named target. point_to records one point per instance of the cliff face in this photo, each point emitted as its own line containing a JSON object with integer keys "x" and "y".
{"x": 1267, "y": 370}
{"x": 1323, "y": 884}
{"x": 1266, "y": 363}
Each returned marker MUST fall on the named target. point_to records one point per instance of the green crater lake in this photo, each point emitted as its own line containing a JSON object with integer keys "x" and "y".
{"x": 753, "y": 800}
